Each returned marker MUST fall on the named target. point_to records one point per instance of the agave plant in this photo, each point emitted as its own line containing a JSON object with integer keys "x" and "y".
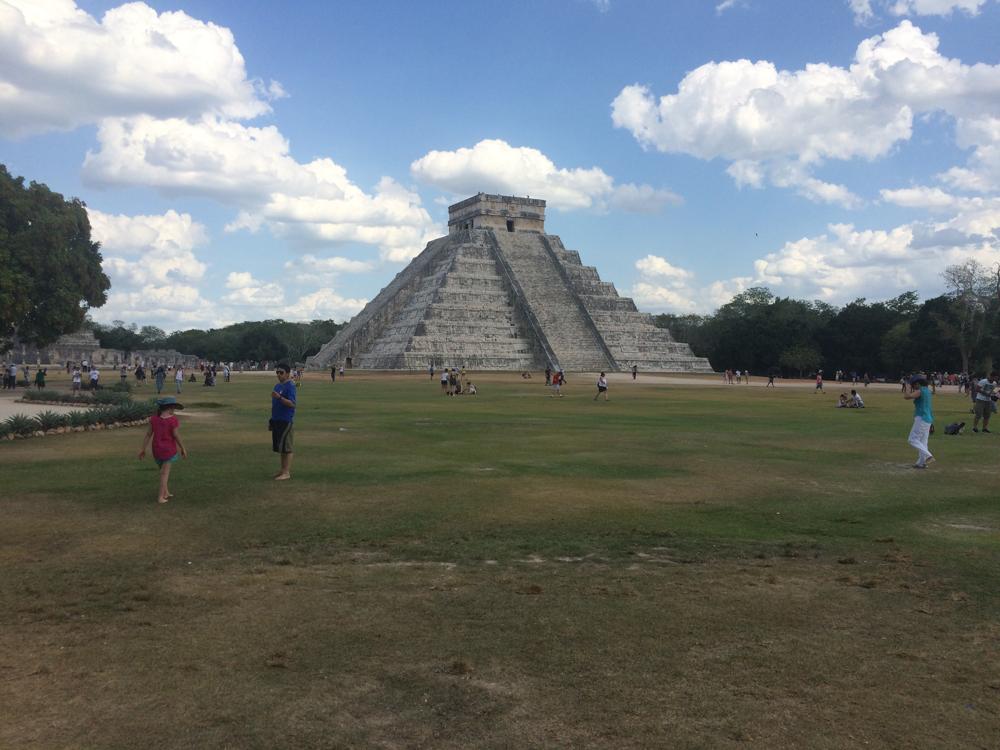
{"x": 77, "y": 418}
{"x": 20, "y": 424}
{"x": 50, "y": 420}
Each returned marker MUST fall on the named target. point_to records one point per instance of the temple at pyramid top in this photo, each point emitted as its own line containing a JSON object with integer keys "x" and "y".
{"x": 501, "y": 213}
{"x": 498, "y": 293}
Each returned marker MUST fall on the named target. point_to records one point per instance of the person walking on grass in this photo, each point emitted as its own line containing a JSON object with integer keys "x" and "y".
{"x": 923, "y": 418}
{"x": 557, "y": 381}
{"x": 282, "y": 415}
{"x": 40, "y": 379}
{"x": 179, "y": 377}
{"x": 982, "y": 405}
{"x": 602, "y": 387}
{"x": 819, "y": 382}
{"x": 164, "y": 432}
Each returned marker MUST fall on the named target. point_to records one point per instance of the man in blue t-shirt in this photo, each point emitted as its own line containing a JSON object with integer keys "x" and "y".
{"x": 282, "y": 414}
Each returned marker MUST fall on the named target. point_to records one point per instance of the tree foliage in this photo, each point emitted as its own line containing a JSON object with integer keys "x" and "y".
{"x": 241, "y": 342}
{"x": 50, "y": 270}
{"x": 759, "y": 331}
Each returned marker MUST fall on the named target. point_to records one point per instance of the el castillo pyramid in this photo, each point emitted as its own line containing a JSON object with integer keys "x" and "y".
{"x": 499, "y": 294}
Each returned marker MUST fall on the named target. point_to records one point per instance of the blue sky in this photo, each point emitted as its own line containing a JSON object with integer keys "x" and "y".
{"x": 243, "y": 160}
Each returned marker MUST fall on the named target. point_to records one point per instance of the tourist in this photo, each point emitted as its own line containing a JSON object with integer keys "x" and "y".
{"x": 333, "y": 373}
{"x": 444, "y": 381}
{"x": 635, "y": 371}
{"x": 179, "y": 377}
{"x": 140, "y": 374}
{"x": 40, "y": 378}
{"x": 548, "y": 376}
{"x": 842, "y": 401}
{"x": 984, "y": 402}
{"x": 867, "y": 379}
{"x": 923, "y": 418}
{"x": 12, "y": 377}
{"x": 819, "y": 383}
{"x": 770, "y": 380}
{"x": 602, "y": 385}
{"x": 471, "y": 389}
{"x": 557, "y": 384}
{"x": 95, "y": 376}
{"x": 226, "y": 373}
{"x": 856, "y": 402}
{"x": 164, "y": 431}
{"x": 282, "y": 415}
{"x": 159, "y": 377}
{"x": 430, "y": 369}
{"x": 340, "y": 371}
{"x": 76, "y": 378}
{"x": 123, "y": 373}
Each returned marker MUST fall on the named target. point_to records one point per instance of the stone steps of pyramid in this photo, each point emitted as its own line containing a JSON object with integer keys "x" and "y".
{"x": 554, "y": 305}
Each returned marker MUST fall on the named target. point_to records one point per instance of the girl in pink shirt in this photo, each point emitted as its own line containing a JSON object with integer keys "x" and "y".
{"x": 164, "y": 433}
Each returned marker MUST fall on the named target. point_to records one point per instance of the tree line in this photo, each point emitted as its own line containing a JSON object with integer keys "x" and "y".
{"x": 958, "y": 331}
{"x": 255, "y": 341}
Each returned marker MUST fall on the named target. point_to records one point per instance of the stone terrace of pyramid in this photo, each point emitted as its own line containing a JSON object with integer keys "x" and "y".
{"x": 499, "y": 294}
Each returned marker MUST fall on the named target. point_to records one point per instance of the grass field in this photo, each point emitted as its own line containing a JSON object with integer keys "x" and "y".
{"x": 682, "y": 567}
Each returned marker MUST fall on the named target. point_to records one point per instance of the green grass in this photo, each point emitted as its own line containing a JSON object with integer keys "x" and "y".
{"x": 679, "y": 567}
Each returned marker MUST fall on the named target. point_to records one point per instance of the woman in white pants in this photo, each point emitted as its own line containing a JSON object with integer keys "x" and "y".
{"x": 923, "y": 418}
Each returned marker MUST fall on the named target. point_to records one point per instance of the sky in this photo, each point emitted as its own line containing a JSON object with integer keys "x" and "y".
{"x": 246, "y": 160}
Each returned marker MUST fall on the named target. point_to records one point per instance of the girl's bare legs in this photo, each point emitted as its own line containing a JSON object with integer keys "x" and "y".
{"x": 164, "y": 479}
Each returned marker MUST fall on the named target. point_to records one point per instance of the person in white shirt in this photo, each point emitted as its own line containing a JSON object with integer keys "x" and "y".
{"x": 855, "y": 401}
{"x": 602, "y": 387}
{"x": 982, "y": 406}
{"x": 178, "y": 377}
{"x": 95, "y": 375}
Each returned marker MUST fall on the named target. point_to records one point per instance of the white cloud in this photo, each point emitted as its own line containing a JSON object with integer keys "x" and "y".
{"x": 862, "y": 10}
{"x": 780, "y": 126}
{"x": 844, "y": 262}
{"x": 143, "y": 250}
{"x": 251, "y": 168}
{"x": 935, "y": 7}
{"x": 654, "y": 265}
{"x": 61, "y": 68}
{"x": 313, "y": 271}
{"x": 322, "y": 305}
{"x": 246, "y": 291}
{"x": 728, "y": 5}
{"x": 496, "y": 166}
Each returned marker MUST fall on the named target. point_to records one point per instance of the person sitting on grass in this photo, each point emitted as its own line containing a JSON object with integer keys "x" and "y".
{"x": 470, "y": 389}
{"x": 855, "y": 401}
{"x": 164, "y": 431}
{"x": 842, "y": 402}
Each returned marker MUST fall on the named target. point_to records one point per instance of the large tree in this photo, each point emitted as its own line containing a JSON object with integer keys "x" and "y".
{"x": 969, "y": 319}
{"x": 50, "y": 270}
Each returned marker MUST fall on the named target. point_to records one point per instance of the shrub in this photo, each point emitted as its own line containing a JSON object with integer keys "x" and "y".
{"x": 20, "y": 424}
{"x": 50, "y": 420}
{"x": 4, "y": 430}
{"x": 109, "y": 396}
{"x": 78, "y": 418}
{"x": 121, "y": 387}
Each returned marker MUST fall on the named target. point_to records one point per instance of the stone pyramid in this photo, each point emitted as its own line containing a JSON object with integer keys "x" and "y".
{"x": 499, "y": 294}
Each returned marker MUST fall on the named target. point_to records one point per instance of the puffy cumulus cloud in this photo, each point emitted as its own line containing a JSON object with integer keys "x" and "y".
{"x": 844, "y": 262}
{"x": 60, "y": 67}
{"x": 778, "y": 126}
{"x": 246, "y": 291}
{"x": 495, "y": 166}
{"x": 654, "y": 265}
{"x": 143, "y": 250}
{"x": 323, "y": 304}
{"x": 251, "y": 168}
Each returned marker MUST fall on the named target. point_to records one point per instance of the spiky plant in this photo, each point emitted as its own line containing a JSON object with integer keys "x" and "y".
{"x": 50, "y": 420}
{"x": 20, "y": 424}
